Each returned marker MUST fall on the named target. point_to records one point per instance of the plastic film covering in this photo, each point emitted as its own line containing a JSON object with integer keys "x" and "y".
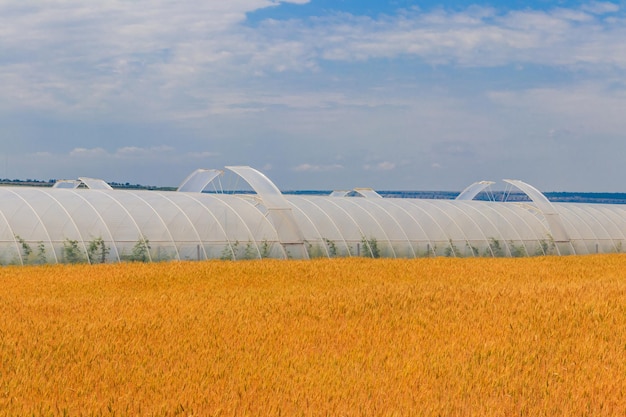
{"x": 367, "y": 193}
{"x": 198, "y": 180}
{"x": 67, "y": 184}
{"x": 473, "y": 190}
{"x": 57, "y": 225}
{"x": 95, "y": 183}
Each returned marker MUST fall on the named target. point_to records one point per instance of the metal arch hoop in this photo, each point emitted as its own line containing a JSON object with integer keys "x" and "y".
{"x": 472, "y": 190}
{"x": 555, "y": 223}
{"x": 279, "y": 210}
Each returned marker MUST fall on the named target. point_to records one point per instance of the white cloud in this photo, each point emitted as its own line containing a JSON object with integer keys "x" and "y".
{"x": 317, "y": 168}
{"x": 381, "y": 166}
{"x": 141, "y": 152}
{"x": 181, "y": 59}
{"x": 123, "y": 152}
{"x": 88, "y": 153}
{"x": 202, "y": 155}
{"x": 107, "y": 82}
{"x": 43, "y": 154}
{"x": 584, "y": 108}
{"x": 555, "y": 37}
{"x": 132, "y": 151}
{"x": 600, "y": 7}
{"x": 75, "y": 55}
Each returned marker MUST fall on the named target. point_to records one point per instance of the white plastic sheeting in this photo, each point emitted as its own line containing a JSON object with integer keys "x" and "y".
{"x": 198, "y": 180}
{"x": 473, "y": 190}
{"x": 67, "y": 184}
{"x": 95, "y": 183}
{"x": 55, "y": 225}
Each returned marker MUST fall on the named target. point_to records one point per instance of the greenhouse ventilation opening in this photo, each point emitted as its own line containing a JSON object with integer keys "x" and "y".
{"x": 86, "y": 221}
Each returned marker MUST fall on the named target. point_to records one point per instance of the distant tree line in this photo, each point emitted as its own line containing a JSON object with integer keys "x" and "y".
{"x": 28, "y": 182}
{"x": 49, "y": 183}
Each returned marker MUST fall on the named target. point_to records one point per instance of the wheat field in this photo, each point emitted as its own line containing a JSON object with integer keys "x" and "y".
{"x": 358, "y": 337}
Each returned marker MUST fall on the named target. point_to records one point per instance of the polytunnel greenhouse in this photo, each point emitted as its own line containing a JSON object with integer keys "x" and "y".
{"x": 87, "y": 221}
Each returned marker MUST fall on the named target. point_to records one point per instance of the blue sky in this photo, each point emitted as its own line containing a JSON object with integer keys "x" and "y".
{"x": 320, "y": 94}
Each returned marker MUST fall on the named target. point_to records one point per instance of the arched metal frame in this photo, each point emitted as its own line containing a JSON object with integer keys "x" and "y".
{"x": 198, "y": 180}
{"x": 278, "y": 208}
{"x": 367, "y": 193}
{"x": 95, "y": 183}
{"x": 559, "y": 232}
{"x": 473, "y": 190}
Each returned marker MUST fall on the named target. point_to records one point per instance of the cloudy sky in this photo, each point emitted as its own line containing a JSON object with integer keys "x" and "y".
{"x": 317, "y": 94}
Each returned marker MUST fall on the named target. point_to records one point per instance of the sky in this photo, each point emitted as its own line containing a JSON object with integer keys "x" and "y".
{"x": 316, "y": 94}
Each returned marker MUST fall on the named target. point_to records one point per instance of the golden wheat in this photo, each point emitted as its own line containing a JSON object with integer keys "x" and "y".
{"x": 536, "y": 336}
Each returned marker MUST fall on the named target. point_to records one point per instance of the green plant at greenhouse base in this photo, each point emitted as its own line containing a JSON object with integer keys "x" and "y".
{"x": 494, "y": 249}
{"x": 266, "y": 247}
{"x": 542, "y": 249}
{"x": 140, "y": 252}
{"x": 250, "y": 252}
{"x": 230, "y": 252}
{"x": 430, "y": 251}
{"x": 97, "y": 251}
{"x": 41, "y": 253}
{"x": 332, "y": 247}
{"x": 370, "y": 248}
{"x": 473, "y": 249}
{"x": 517, "y": 251}
{"x": 26, "y": 249}
{"x": 546, "y": 246}
{"x": 318, "y": 251}
{"x": 27, "y": 255}
{"x": 71, "y": 252}
{"x": 451, "y": 250}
